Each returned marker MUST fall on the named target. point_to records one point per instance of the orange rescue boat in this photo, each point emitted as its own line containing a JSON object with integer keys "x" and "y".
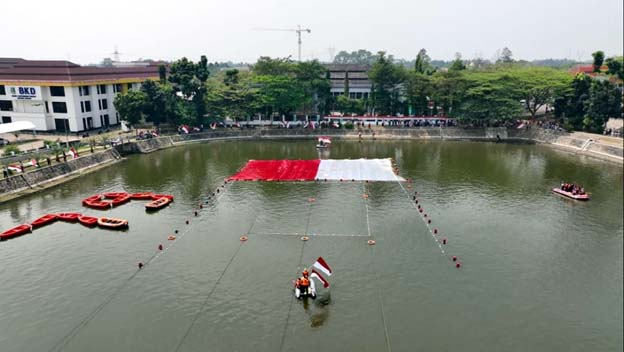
{"x": 158, "y": 203}
{"x": 120, "y": 200}
{"x": 111, "y": 223}
{"x": 113, "y": 195}
{"x": 141, "y": 196}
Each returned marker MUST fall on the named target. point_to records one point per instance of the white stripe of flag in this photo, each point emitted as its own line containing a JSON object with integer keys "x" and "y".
{"x": 320, "y": 278}
{"x": 321, "y": 265}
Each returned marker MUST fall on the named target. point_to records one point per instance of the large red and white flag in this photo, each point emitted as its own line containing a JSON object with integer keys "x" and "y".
{"x": 322, "y": 266}
{"x": 320, "y": 278}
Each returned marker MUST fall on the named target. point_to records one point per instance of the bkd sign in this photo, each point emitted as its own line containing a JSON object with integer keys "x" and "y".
{"x": 25, "y": 93}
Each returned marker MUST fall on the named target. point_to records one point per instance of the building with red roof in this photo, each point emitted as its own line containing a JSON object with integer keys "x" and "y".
{"x": 58, "y": 95}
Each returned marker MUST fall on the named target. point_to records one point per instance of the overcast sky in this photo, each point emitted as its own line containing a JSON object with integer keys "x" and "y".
{"x": 87, "y": 31}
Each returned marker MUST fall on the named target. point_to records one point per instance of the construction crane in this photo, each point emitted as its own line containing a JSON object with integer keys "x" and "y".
{"x": 298, "y": 30}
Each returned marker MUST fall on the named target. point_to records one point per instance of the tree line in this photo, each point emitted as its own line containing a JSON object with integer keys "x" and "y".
{"x": 198, "y": 93}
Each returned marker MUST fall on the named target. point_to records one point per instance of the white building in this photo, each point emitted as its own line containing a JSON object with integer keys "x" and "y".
{"x": 356, "y": 76}
{"x": 63, "y": 96}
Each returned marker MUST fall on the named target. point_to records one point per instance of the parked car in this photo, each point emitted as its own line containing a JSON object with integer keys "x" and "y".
{"x": 3, "y": 141}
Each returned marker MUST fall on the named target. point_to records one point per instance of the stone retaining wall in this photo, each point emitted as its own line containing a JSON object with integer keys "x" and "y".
{"x": 39, "y": 178}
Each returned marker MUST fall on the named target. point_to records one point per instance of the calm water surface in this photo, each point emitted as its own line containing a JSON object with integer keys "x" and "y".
{"x": 540, "y": 272}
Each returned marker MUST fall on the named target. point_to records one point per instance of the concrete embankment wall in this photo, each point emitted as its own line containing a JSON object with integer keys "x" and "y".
{"x": 44, "y": 177}
{"x": 566, "y": 141}
{"x": 559, "y": 140}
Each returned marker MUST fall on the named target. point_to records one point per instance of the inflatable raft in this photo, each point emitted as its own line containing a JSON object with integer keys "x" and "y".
{"x": 69, "y": 217}
{"x": 571, "y": 195}
{"x": 88, "y": 221}
{"x": 158, "y": 203}
{"x": 111, "y": 223}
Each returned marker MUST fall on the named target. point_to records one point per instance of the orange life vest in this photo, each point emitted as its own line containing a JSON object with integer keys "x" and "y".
{"x": 304, "y": 282}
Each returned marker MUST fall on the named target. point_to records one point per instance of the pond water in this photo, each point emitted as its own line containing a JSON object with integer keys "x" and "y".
{"x": 539, "y": 272}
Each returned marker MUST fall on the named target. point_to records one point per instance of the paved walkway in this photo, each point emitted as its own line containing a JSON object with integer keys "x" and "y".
{"x": 600, "y": 138}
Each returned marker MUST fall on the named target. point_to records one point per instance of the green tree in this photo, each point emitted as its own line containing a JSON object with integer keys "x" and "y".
{"x": 506, "y": 56}
{"x": 616, "y": 66}
{"x": 312, "y": 78}
{"x": 279, "y": 94}
{"x": 130, "y": 106}
{"x": 159, "y": 102}
{"x": 605, "y": 101}
{"x": 489, "y": 95}
{"x": 360, "y": 57}
{"x": 418, "y": 90}
{"x": 598, "y": 59}
{"x": 423, "y": 63}
{"x": 189, "y": 78}
{"x": 162, "y": 73}
{"x": 539, "y": 86}
{"x": 273, "y": 67}
{"x": 448, "y": 89}
{"x": 457, "y": 64}
{"x": 387, "y": 79}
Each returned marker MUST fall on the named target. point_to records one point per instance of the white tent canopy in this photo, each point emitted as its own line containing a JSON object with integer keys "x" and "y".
{"x": 16, "y": 126}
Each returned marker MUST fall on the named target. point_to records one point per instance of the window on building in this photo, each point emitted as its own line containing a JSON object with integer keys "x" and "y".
{"x": 129, "y": 86}
{"x": 87, "y": 105}
{"x": 358, "y": 95}
{"x": 82, "y": 106}
{"x": 101, "y": 89}
{"x": 56, "y": 91}
{"x": 351, "y": 95}
{"x": 47, "y": 107}
{"x": 6, "y": 119}
{"x": 84, "y": 90}
{"x": 117, "y": 88}
{"x": 106, "y": 121}
{"x": 104, "y": 104}
{"x": 2, "y": 90}
{"x": 365, "y": 95}
{"x": 6, "y": 105}
{"x": 59, "y": 107}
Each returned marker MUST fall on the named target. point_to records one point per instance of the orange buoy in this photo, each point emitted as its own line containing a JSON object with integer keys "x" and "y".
{"x": 420, "y": 210}
{"x": 244, "y": 238}
{"x": 176, "y": 231}
{"x": 311, "y": 200}
{"x": 435, "y": 231}
{"x": 201, "y": 206}
{"x": 187, "y": 222}
{"x": 444, "y": 240}
{"x": 140, "y": 265}
{"x": 171, "y": 237}
{"x": 160, "y": 247}
{"x": 458, "y": 265}
{"x": 416, "y": 201}
{"x": 425, "y": 215}
{"x": 454, "y": 258}
{"x": 195, "y": 213}
{"x": 371, "y": 242}
{"x": 429, "y": 221}
{"x": 365, "y": 196}
{"x": 305, "y": 238}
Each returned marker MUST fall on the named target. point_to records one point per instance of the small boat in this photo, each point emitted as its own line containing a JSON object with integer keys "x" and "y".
{"x": 88, "y": 220}
{"x": 141, "y": 195}
{"x": 94, "y": 198}
{"x": 16, "y": 231}
{"x": 158, "y": 203}
{"x": 120, "y": 200}
{"x": 99, "y": 204}
{"x": 113, "y": 195}
{"x": 158, "y": 196}
{"x": 44, "y": 220}
{"x": 577, "y": 196}
{"x": 310, "y": 292}
{"x": 111, "y": 223}
{"x": 69, "y": 217}
{"x": 323, "y": 142}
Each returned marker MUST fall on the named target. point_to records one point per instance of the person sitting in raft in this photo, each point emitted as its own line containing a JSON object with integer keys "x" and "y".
{"x": 303, "y": 283}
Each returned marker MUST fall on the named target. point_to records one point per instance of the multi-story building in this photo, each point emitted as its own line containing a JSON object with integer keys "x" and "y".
{"x": 356, "y": 76}
{"x": 62, "y": 96}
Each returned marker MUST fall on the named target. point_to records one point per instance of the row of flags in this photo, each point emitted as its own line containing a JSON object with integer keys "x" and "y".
{"x": 33, "y": 162}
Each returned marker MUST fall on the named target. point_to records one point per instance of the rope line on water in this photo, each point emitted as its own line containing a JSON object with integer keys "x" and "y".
{"x": 383, "y": 314}
{"x": 85, "y": 321}
{"x": 292, "y": 298}
{"x": 214, "y": 287}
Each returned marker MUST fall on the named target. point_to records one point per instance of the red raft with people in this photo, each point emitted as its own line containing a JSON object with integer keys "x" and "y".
{"x": 572, "y": 191}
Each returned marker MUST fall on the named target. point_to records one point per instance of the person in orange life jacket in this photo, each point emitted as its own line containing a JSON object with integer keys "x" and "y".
{"x": 303, "y": 283}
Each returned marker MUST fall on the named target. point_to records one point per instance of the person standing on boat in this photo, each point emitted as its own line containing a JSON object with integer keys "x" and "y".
{"x": 303, "y": 283}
